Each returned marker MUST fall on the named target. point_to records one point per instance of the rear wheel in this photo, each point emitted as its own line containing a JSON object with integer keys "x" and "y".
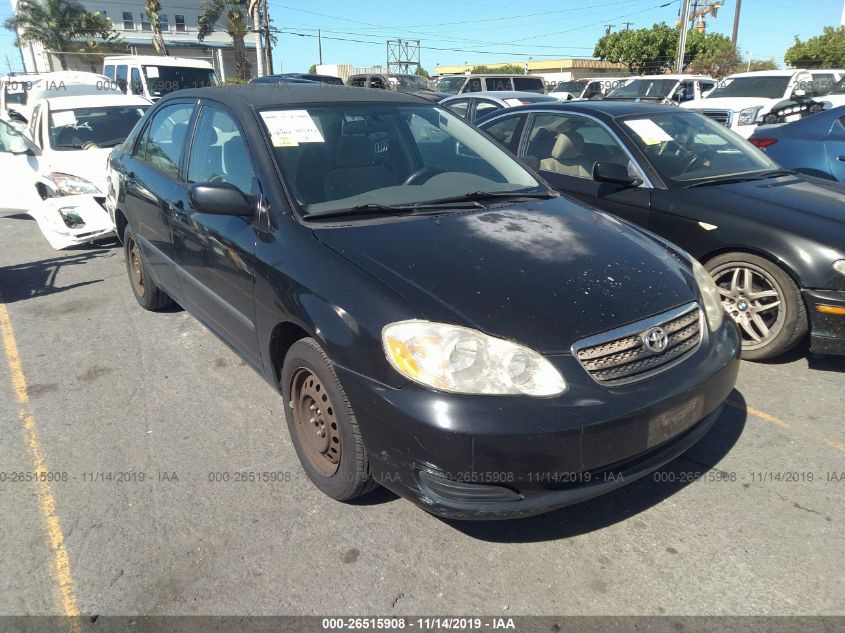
{"x": 147, "y": 293}
{"x": 763, "y": 300}
{"x": 322, "y": 424}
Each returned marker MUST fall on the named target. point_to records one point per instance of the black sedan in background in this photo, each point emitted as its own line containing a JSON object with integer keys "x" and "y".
{"x": 441, "y": 323}
{"x": 773, "y": 239}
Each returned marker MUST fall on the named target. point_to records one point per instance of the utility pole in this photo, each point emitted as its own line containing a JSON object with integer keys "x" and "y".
{"x": 268, "y": 38}
{"x": 319, "y": 47}
{"x": 607, "y": 28}
{"x": 682, "y": 38}
{"x": 736, "y": 23}
{"x": 627, "y": 25}
{"x": 254, "y": 8}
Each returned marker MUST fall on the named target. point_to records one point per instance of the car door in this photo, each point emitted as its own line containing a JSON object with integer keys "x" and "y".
{"x": 834, "y": 148}
{"x": 18, "y": 169}
{"x": 216, "y": 253}
{"x": 567, "y": 146}
{"x": 150, "y": 181}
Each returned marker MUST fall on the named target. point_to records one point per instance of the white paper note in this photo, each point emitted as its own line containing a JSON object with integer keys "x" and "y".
{"x": 289, "y": 128}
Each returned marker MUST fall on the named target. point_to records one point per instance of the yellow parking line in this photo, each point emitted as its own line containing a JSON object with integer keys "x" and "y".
{"x": 65, "y": 594}
{"x": 760, "y": 414}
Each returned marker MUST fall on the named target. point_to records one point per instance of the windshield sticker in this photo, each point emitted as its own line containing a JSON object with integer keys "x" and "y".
{"x": 648, "y": 131}
{"x": 513, "y": 102}
{"x": 64, "y": 118}
{"x": 289, "y": 128}
{"x": 152, "y": 72}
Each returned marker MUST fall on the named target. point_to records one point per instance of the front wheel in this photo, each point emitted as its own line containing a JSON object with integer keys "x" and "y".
{"x": 763, "y": 300}
{"x": 322, "y": 424}
{"x": 147, "y": 293}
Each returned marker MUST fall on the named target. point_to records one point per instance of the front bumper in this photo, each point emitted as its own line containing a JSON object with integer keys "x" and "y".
{"x": 72, "y": 220}
{"x": 501, "y": 457}
{"x": 827, "y": 328}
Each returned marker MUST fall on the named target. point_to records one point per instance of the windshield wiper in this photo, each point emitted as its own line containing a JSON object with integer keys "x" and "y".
{"x": 772, "y": 173}
{"x": 465, "y": 201}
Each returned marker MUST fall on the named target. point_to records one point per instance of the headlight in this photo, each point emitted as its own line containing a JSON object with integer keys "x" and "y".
{"x": 710, "y": 296}
{"x": 461, "y": 360}
{"x": 73, "y": 185}
{"x": 839, "y": 266}
{"x": 748, "y": 116}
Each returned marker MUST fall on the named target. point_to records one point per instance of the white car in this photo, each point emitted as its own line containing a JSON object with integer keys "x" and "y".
{"x": 20, "y": 93}
{"x": 55, "y": 170}
{"x": 663, "y": 88}
{"x": 578, "y": 89}
{"x": 835, "y": 98}
{"x": 743, "y": 100}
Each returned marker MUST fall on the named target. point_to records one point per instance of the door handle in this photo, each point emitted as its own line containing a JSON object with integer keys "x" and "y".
{"x": 842, "y": 158}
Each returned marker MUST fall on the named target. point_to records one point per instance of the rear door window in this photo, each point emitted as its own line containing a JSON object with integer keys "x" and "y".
{"x": 121, "y": 77}
{"x": 484, "y": 107}
{"x": 108, "y": 71}
{"x": 459, "y": 107}
{"x": 505, "y": 131}
{"x": 499, "y": 83}
{"x": 135, "y": 81}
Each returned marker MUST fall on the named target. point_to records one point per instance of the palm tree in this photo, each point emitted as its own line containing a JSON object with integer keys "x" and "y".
{"x": 60, "y": 26}
{"x": 236, "y": 13}
{"x": 153, "y": 9}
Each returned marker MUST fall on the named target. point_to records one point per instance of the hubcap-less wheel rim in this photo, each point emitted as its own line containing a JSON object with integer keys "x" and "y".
{"x": 315, "y": 422}
{"x": 754, "y": 300}
{"x": 136, "y": 271}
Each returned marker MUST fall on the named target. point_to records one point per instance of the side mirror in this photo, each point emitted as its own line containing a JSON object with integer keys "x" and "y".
{"x": 614, "y": 173}
{"x": 219, "y": 198}
{"x": 19, "y": 144}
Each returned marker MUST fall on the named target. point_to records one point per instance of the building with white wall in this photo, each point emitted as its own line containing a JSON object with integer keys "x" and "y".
{"x": 179, "y": 24}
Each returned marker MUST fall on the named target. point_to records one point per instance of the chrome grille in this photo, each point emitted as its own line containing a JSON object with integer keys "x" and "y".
{"x": 621, "y": 355}
{"x": 719, "y": 116}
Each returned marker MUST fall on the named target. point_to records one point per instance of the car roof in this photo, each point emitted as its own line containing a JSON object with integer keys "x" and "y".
{"x": 769, "y": 73}
{"x": 602, "y": 109}
{"x": 263, "y": 95}
{"x": 159, "y": 60}
{"x": 501, "y": 94}
{"x": 676, "y": 77}
{"x": 95, "y": 100}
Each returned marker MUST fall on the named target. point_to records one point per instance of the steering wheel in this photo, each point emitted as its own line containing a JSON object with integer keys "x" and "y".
{"x": 422, "y": 175}
{"x": 699, "y": 157}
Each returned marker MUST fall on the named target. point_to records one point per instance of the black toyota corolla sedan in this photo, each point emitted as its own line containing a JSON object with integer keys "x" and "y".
{"x": 447, "y": 326}
{"x": 773, "y": 239}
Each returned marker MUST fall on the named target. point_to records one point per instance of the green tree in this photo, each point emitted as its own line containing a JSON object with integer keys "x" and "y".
{"x": 710, "y": 54}
{"x": 504, "y": 69}
{"x": 312, "y": 69}
{"x": 822, "y": 51}
{"x": 61, "y": 26}
{"x": 422, "y": 72}
{"x": 153, "y": 9}
{"x": 236, "y": 13}
{"x": 759, "y": 64}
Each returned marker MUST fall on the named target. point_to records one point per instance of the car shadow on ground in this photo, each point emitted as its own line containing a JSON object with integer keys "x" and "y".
{"x": 37, "y": 279}
{"x": 628, "y": 501}
{"x": 817, "y": 362}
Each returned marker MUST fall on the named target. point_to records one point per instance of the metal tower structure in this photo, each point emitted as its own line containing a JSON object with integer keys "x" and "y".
{"x": 403, "y": 56}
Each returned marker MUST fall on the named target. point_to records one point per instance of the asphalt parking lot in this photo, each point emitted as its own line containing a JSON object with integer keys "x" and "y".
{"x": 750, "y": 521}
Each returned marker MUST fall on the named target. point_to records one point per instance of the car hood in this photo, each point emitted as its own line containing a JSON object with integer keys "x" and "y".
{"x": 802, "y": 204}
{"x": 89, "y": 164}
{"x": 544, "y": 273}
{"x": 735, "y": 104}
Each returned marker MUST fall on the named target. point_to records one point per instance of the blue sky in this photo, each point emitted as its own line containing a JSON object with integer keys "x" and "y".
{"x": 489, "y": 31}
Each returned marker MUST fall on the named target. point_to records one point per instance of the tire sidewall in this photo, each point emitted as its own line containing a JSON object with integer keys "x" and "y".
{"x": 351, "y": 472}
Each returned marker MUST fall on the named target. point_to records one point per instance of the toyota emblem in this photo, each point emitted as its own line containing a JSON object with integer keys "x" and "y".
{"x": 655, "y": 340}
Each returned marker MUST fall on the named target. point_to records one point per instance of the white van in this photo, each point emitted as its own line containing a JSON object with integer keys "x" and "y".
{"x": 153, "y": 76}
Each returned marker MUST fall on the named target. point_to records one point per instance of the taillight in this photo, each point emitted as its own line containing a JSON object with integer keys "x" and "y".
{"x": 763, "y": 142}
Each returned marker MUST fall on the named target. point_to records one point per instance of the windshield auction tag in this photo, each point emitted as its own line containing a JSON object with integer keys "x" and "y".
{"x": 63, "y": 118}
{"x": 289, "y": 128}
{"x": 152, "y": 72}
{"x": 648, "y": 131}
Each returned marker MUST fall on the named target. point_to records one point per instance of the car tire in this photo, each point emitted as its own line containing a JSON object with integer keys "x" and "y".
{"x": 763, "y": 300}
{"x": 148, "y": 295}
{"x": 322, "y": 424}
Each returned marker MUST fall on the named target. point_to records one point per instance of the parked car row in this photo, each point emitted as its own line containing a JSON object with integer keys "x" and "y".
{"x": 412, "y": 285}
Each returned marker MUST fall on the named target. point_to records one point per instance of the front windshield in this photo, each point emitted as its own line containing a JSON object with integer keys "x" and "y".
{"x": 644, "y": 89}
{"x": 762, "y": 87}
{"x": 684, "y": 147}
{"x": 339, "y": 157}
{"x": 90, "y": 128}
{"x": 162, "y": 80}
{"x": 412, "y": 82}
{"x": 450, "y": 85}
{"x": 574, "y": 87}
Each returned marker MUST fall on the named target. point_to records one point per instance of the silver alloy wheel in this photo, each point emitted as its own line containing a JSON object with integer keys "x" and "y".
{"x": 754, "y": 299}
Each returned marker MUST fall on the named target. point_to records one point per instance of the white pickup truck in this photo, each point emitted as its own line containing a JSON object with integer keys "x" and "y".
{"x": 743, "y": 100}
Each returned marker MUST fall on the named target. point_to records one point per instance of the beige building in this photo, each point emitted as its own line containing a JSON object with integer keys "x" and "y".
{"x": 552, "y": 70}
